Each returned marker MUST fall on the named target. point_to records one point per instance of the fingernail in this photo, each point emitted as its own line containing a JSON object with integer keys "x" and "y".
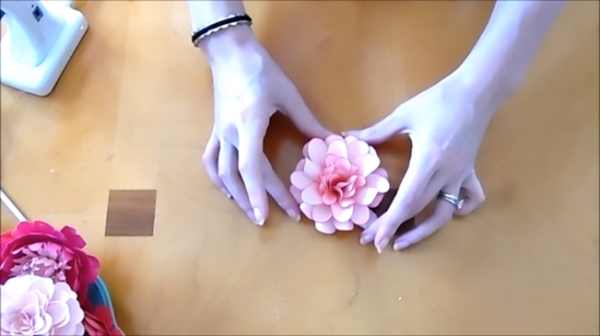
{"x": 226, "y": 193}
{"x": 293, "y": 215}
{"x": 400, "y": 245}
{"x": 366, "y": 239}
{"x": 258, "y": 217}
{"x": 382, "y": 244}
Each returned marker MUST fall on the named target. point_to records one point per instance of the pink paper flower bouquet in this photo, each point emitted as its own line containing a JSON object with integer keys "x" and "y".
{"x": 50, "y": 285}
{"x": 337, "y": 181}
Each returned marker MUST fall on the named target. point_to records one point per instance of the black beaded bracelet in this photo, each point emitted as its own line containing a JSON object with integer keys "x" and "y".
{"x": 230, "y": 21}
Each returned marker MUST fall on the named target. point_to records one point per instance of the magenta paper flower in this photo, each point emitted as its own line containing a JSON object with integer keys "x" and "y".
{"x": 32, "y": 305}
{"x": 337, "y": 182}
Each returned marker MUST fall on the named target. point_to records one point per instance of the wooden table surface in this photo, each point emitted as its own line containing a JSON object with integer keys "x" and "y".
{"x": 133, "y": 111}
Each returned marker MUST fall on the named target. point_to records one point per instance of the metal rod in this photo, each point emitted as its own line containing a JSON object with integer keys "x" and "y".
{"x": 12, "y": 207}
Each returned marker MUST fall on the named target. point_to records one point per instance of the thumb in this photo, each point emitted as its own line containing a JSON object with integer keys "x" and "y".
{"x": 296, "y": 109}
{"x": 381, "y": 131}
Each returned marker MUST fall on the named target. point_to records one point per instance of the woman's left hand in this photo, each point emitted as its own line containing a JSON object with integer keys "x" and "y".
{"x": 446, "y": 125}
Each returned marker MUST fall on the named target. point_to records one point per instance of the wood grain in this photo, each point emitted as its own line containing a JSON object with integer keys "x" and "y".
{"x": 134, "y": 109}
{"x": 130, "y": 213}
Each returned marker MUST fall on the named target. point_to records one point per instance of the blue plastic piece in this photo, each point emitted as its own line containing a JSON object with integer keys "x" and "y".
{"x": 99, "y": 295}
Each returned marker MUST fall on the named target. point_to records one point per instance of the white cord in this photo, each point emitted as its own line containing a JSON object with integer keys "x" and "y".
{"x": 12, "y": 207}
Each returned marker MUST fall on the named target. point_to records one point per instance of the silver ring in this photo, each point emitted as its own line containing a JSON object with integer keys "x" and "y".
{"x": 454, "y": 200}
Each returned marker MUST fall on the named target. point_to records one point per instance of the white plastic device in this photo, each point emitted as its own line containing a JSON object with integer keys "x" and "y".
{"x": 41, "y": 38}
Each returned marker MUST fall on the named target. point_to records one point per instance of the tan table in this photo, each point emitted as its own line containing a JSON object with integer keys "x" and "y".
{"x": 134, "y": 109}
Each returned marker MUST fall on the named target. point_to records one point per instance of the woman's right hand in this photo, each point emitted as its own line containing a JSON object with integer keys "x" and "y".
{"x": 249, "y": 87}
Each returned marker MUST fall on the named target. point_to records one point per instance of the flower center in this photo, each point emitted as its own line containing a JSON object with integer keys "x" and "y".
{"x": 24, "y": 323}
{"x": 46, "y": 260}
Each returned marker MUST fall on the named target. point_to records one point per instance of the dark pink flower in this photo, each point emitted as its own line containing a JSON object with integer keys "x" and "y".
{"x": 37, "y": 248}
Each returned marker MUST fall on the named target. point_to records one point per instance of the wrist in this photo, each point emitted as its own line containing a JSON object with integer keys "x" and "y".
{"x": 227, "y": 44}
{"x": 488, "y": 89}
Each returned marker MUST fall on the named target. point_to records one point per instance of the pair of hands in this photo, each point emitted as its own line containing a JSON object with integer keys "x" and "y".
{"x": 445, "y": 124}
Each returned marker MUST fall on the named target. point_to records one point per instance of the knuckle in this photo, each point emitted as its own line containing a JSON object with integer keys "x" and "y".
{"x": 247, "y": 168}
{"x": 225, "y": 175}
{"x": 207, "y": 159}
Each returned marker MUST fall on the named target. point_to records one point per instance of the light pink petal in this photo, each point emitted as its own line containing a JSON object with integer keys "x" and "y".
{"x": 329, "y": 198}
{"x": 341, "y": 214}
{"x": 39, "y": 322}
{"x": 311, "y": 195}
{"x": 296, "y": 193}
{"x": 330, "y": 139}
{"x": 360, "y": 181}
{"x": 346, "y": 202}
{"x": 300, "y": 180}
{"x": 342, "y": 164}
{"x": 45, "y": 285}
{"x": 350, "y": 139}
{"x": 326, "y": 228}
{"x": 357, "y": 149}
{"x": 59, "y": 312}
{"x": 47, "y": 326}
{"x": 365, "y": 196}
{"x": 367, "y": 164}
{"x": 377, "y": 200}
{"x": 381, "y": 172}
{"x": 307, "y": 210}
{"x": 312, "y": 170}
{"x": 338, "y": 148}
{"x": 378, "y": 182}
{"x": 317, "y": 149}
{"x": 305, "y": 151}
{"x": 76, "y": 313}
{"x": 330, "y": 159}
{"x": 372, "y": 150}
{"x": 321, "y": 213}
{"x": 300, "y": 165}
{"x": 7, "y": 319}
{"x": 344, "y": 226}
{"x": 360, "y": 216}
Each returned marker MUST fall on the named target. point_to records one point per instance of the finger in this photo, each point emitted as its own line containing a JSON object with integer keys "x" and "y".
{"x": 379, "y": 132}
{"x": 228, "y": 173}
{"x": 473, "y": 194}
{"x": 430, "y": 193}
{"x": 211, "y": 159}
{"x": 278, "y": 191}
{"x": 295, "y": 108}
{"x": 440, "y": 217}
{"x": 250, "y": 152}
{"x": 421, "y": 168}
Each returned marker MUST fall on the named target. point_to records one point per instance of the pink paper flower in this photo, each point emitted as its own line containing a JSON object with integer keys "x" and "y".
{"x": 39, "y": 249}
{"x": 337, "y": 182}
{"x": 32, "y": 305}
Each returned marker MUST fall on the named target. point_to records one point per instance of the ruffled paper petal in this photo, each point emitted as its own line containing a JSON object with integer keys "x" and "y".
{"x": 360, "y": 216}
{"x": 380, "y": 183}
{"x": 317, "y": 149}
{"x": 367, "y": 164}
{"x": 341, "y": 214}
{"x": 366, "y": 196}
{"x": 357, "y": 149}
{"x": 311, "y": 195}
{"x": 326, "y": 228}
{"x": 377, "y": 200}
{"x": 330, "y": 139}
{"x": 338, "y": 149}
{"x": 344, "y": 226}
{"x": 300, "y": 180}
{"x": 312, "y": 170}
{"x": 322, "y": 213}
